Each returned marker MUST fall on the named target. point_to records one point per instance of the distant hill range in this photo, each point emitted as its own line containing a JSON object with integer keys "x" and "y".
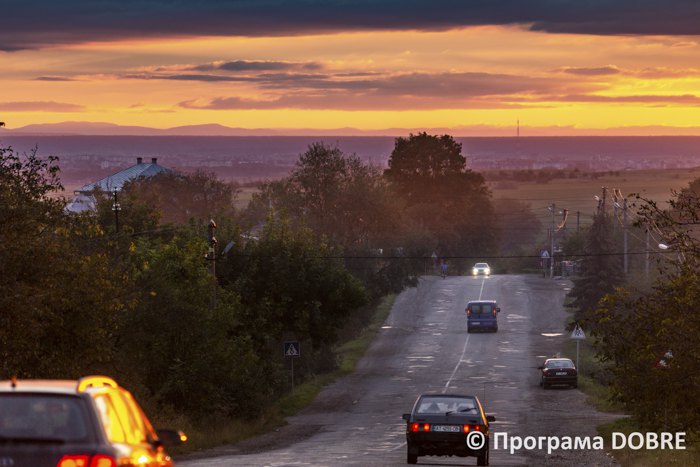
{"x": 89, "y": 151}
{"x": 213, "y": 129}
{"x": 111, "y": 129}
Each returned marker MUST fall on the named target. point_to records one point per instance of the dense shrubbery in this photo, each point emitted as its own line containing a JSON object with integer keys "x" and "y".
{"x": 78, "y": 296}
{"x": 647, "y": 332}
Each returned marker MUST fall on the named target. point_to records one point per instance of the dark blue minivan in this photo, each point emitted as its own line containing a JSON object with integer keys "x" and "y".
{"x": 482, "y": 315}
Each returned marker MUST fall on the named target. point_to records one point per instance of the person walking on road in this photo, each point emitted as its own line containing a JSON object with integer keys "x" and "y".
{"x": 443, "y": 268}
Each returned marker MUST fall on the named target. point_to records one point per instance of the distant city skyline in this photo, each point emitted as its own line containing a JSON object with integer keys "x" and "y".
{"x": 467, "y": 68}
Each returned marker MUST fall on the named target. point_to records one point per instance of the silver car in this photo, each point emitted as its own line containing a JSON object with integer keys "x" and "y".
{"x": 481, "y": 268}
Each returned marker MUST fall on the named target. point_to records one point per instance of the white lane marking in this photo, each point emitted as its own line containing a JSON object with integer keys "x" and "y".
{"x": 464, "y": 350}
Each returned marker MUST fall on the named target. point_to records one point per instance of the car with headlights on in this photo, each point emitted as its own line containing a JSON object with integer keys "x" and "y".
{"x": 447, "y": 425}
{"x": 558, "y": 371}
{"x": 481, "y": 269}
{"x": 91, "y": 422}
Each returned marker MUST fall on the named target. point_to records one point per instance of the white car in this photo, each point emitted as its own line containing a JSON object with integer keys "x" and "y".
{"x": 481, "y": 268}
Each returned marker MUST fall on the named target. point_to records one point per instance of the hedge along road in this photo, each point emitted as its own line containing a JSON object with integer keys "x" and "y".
{"x": 424, "y": 347}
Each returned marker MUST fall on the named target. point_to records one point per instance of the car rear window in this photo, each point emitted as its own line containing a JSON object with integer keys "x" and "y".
{"x": 446, "y": 404}
{"x": 560, "y": 364}
{"x": 479, "y": 308}
{"x": 42, "y": 416}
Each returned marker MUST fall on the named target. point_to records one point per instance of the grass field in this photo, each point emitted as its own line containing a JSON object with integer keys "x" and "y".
{"x": 575, "y": 194}
{"x": 578, "y": 194}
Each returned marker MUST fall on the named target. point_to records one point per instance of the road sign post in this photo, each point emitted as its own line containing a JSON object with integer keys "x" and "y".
{"x": 292, "y": 349}
{"x": 579, "y": 335}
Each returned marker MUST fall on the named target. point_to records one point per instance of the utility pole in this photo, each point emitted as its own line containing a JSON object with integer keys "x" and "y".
{"x": 578, "y": 221}
{"x": 624, "y": 233}
{"x": 551, "y": 259}
{"x": 116, "y": 207}
{"x": 211, "y": 256}
{"x": 605, "y": 193}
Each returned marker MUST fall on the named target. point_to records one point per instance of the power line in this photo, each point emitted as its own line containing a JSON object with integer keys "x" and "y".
{"x": 471, "y": 257}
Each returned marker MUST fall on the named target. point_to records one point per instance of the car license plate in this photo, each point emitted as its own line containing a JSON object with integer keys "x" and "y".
{"x": 448, "y": 428}
{"x": 561, "y": 373}
{"x": 476, "y": 324}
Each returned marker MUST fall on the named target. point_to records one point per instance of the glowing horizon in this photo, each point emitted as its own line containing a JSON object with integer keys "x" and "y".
{"x": 470, "y": 79}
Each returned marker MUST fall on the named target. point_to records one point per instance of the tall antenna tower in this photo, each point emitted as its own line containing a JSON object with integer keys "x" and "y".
{"x": 517, "y": 133}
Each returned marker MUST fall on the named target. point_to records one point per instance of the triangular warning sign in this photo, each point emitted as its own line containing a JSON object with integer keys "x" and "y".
{"x": 292, "y": 351}
{"x": 578, "y": 333}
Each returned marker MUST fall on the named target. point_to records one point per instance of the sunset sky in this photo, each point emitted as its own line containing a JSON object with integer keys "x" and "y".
{"x": 470, "y": 66}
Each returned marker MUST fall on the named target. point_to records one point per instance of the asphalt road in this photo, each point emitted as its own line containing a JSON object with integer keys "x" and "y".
{"x": 424, "y": 347}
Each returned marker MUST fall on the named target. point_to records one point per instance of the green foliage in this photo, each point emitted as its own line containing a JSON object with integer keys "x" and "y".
{"x": 651, "y": 335}
{"x": 350, "y": 205}
{"x": 335, "y": 195}
{"x": 635, "y": 331}
{"x": 601, "y": 271}
{"x": 292, "y": 286}
{"x": 181, "y": 197}
{"x": 136, "y": 214}
{"x": 58, "y": 298}
{"x": 166, "y": 198}
{"x": 453, "y": 203}
{"x": 420, "y": 164}
{"x": 520, "y": 230}
{"x": 176, "y": 343}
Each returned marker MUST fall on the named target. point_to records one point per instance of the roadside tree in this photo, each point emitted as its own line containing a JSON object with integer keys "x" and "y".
{"x": 650, "y": 334}
{"x": 56, "y": 288}
{"x": 601, "y": 272}
{"x": 291, "y": 285}
{"x": 429, "y": 174}
{"x": 348, "y": 203}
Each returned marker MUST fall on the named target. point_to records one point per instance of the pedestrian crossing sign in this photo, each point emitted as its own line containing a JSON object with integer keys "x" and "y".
{"x": 578, "y": 333}
{"x": 292, "y": 349}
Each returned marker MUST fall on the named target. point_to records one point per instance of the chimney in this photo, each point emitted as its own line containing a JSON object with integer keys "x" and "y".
{"x": 154, "y": 160}
{"x": 139, "y": 160}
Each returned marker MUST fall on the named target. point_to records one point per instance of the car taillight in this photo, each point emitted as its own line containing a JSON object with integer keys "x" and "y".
{"x": 74, "y": 460}
{"x": 469, "y": 312}
{"x": 465, "y": 428}
{"x": 493, "y": 312}
{"x": 85, "y": 460}
{"x": 420, "y": 427}
{"x": 100, "y": 460}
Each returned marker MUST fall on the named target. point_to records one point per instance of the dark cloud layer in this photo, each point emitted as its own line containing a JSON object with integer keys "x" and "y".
{"x": 33, "y": 24}
{"x": 598, "y": 71}
{"x": 257, "y": 65}
{"x": 413, "y": 91}
{"x": 40, "y": 106}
